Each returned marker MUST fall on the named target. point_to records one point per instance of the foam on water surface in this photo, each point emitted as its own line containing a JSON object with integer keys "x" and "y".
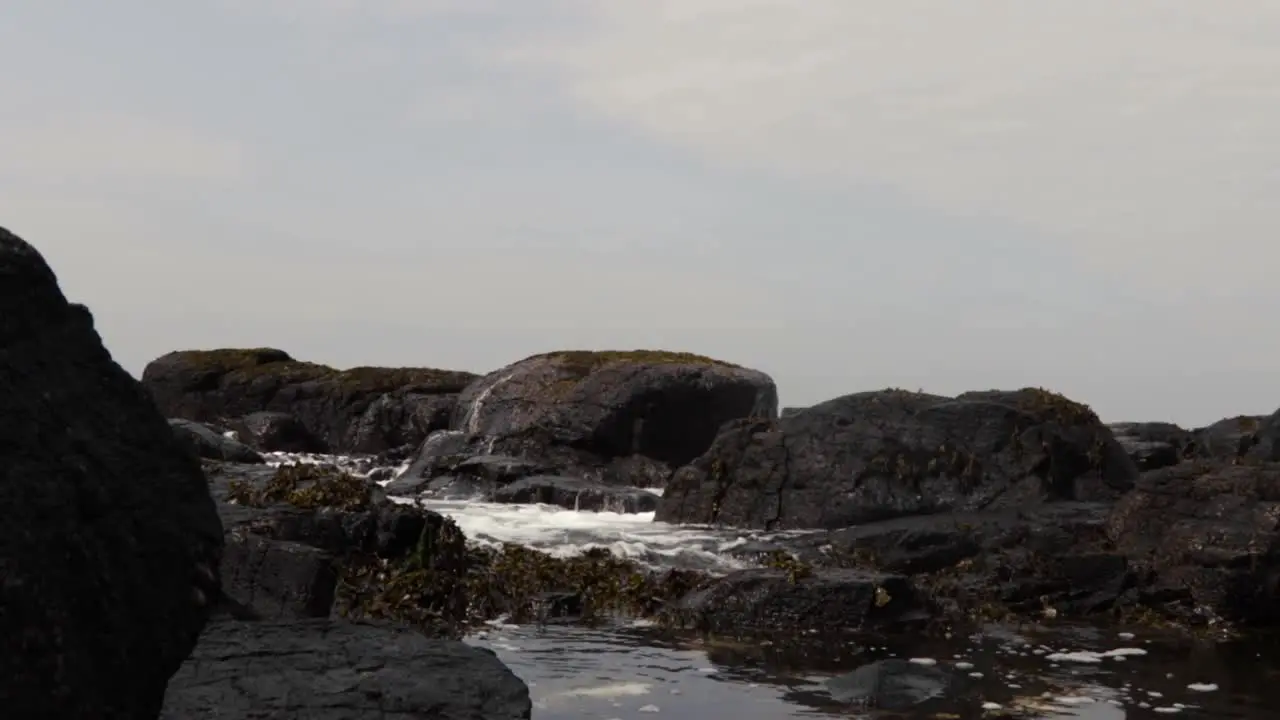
{"x": 560, "y": 532}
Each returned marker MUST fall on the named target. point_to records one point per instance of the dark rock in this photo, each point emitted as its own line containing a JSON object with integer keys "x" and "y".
{"x": 278, "y": 579}
{"x": 1208, "y": 533}
{"x": 277, "y": 432}
{"x": 1229, "y": 438}
{"x": 625, "y": 418}
{"x": 1267, "y": 440}
{"x": 1153, "y": 445}
{"x": 439, "y": 453}
{"x": 789, "y": 411}
{"x": 879, "y": 455}
{"x": 110, "y": 543}
{"x": 977, "y": 564}
{"x": 891, "y": 684}
{"x": 335, "y": 670}
{"x": 768, "y": 601}
{"x": 497, "y": 469}
{"x": 576, "y": 494}
{"x": 205, "y": 442}
{"x": 374, "y": 525}
{"x": 361, "y": 410}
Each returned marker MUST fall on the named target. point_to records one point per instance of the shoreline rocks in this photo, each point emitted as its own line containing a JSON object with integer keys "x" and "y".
{"x": 359, "y": 410}
{"x": 879, "y": 455}
{"x": 988, "y": 505}
{"x": 110, "y": 544}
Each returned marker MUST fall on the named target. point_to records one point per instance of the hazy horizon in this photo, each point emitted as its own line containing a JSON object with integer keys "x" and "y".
{"x": 846, "y": 194}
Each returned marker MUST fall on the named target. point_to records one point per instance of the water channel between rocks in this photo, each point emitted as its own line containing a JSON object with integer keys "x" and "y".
{"x": 1053, "y": 669}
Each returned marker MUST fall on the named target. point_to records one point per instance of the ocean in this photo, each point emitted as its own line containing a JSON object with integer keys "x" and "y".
{"x": 1047, "y": 669}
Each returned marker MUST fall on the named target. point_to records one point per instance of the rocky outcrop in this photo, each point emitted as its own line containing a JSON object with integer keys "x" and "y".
{"x": 207, "y": 443}
{"x": 333, "y": 670}
{"x": 1205, "y": 536}
{"x": 110, "y": 544}
{"x": 360, "y": 410}
{"x": 1228, "y": 439}
{"x": 879, "y": 455}
{"x": 623, "y": 418}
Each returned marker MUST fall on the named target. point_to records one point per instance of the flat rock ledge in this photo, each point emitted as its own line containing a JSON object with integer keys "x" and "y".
{"x": 337, "y": 670}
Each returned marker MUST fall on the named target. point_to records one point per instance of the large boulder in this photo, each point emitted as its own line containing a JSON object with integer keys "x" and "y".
{"x": 625, "y": 418}
{"x": 1207, "y": 534}
{"x": 110, "y": 543}
{"x": 878, "y": 455}
{"x": 334, "y": 670}
{"x": 360, "y": 410}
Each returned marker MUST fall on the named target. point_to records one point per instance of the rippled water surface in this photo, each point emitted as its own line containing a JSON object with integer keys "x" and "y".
{"x": 1040, "y": 672}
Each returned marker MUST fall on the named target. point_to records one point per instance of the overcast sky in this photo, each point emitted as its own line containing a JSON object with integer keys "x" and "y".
{"x": 847, "y": 194}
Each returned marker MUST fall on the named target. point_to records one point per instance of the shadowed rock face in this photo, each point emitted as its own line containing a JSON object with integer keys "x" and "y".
{"x": 362, "y": 410}
{"x": 110, "y": 542}
{"x": 878, "y": 455}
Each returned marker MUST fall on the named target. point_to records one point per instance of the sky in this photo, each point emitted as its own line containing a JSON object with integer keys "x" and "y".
{"x": 846, "y": 194}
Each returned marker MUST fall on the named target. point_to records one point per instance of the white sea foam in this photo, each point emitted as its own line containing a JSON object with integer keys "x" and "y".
{"x": 562, "y": 533}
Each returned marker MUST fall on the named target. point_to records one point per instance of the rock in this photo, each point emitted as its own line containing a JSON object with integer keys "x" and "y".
{"x": 1226, "y": 439}
{"x": 335, "y": 670}
{"x": 878, "y": 455}
{"x": 576, "y": 494}
{"x": 317, "y": 506}
{"x": 1208, "y": 534}
{"x": 1267, "y": 440}
{"x": 1153, "y": 445}
{"x": 789, "y": 411}
{"x": 361, "y": 410}
{"x": 771, "y": 601}
{"x": 625, "y": 418}
{"x": 892, "y": 684}
{"x": 205, "y": 442}
{"x": 439, "y": 453}
{"x": 277, "y": 432}
{"x": 278, "y": 579}
{"x": 988, "y": 565}
{"x": 110, "y": 543}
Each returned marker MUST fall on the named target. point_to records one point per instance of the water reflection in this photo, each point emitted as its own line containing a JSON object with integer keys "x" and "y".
{"x": 1081, "y": 672}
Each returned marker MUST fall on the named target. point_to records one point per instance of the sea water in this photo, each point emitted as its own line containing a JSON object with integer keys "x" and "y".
{"x": 1049, "y": 669}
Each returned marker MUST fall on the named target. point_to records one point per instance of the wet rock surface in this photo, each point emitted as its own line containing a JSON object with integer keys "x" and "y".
{"x": 110, "y": 541}
{"x": 277, "y": 432}
{"x": 323, "y": 669}
{"x": 360, "y": 410}
{"x": 207, "y": 443}
{"x": 799, "y": 599}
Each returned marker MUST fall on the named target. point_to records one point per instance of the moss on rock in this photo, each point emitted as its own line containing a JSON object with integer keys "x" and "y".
{"x": 579, "y": 364}
{"x": 251, "y": 363}
{"x": 308, "y": 487}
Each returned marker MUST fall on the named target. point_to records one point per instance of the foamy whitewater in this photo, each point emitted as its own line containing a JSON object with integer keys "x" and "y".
{"x": 1038, "y": 671}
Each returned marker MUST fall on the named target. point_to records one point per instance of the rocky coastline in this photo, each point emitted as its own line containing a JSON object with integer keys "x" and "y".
{"x": 895, "y": 510}
{"x": 207, "y": 562}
